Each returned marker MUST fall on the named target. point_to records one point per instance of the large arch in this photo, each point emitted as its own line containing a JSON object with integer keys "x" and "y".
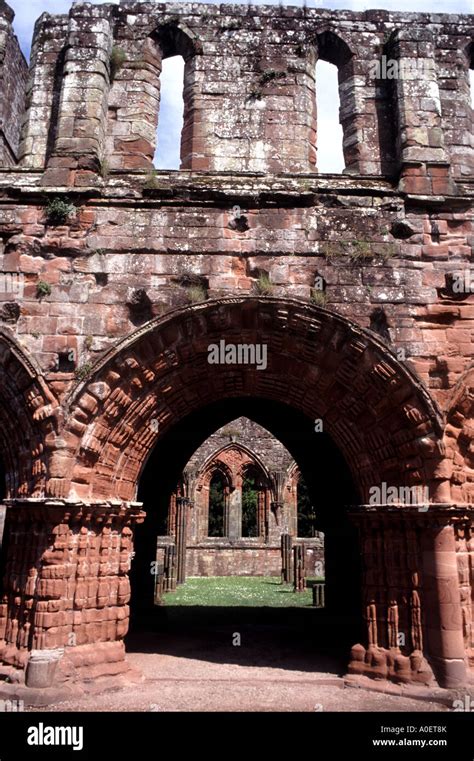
{"x": 29, "y": 420}
{"x": 321, "y": 366}
{"x": 28, "y": 413}
{"x": 376, "y": 410}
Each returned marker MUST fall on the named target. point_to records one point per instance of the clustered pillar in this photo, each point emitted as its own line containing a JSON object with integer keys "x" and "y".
{"x": 66, "y": 583}
{"x": 411, "y": 595}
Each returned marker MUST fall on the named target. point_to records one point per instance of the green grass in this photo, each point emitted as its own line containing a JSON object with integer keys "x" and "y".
{"x": 239, "y": 591}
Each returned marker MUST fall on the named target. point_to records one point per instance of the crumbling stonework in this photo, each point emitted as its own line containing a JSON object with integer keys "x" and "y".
{"x": 367, "y": 311}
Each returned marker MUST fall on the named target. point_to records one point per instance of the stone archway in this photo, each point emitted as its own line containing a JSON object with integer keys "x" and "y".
{"x": 28, "y": 412}
{"x": 376, "y": 410}
{"x": 29, "y": 422}
{"x": 232, "y": 459}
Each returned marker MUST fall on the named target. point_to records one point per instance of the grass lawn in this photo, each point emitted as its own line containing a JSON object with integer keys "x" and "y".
{"x": 239, "y": 591}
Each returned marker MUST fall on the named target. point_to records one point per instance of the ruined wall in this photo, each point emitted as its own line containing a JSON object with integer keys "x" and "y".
{"x": 231, "y": 450}
{"x": 246, "y": 110}
{"x": 254, "y": 437}
{"x": 135, "y": 246}
{"x": 234, "y": 460}
{"x": 360, "y": 283}
{"x": 249, "y": 561}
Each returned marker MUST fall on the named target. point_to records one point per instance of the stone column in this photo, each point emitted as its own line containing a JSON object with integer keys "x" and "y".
{"x": 268, "y": 506}
{"x": 80, "y": 135}
{"x": 411, "y": 595}
{"x": 442, "y": 603}
{"x": 234, "y": 521}
{"x": 425, "y": 166}
{"x": 66, "y": 583}
{"x": 172, "y": 516}
{"x": 2, "y": 524}
{"x": 134, "y": 104}
{"x": 261, "y": 513}
{"x": 13, "y": 76}
{"x": 181, "y": 538}
{"x": 393, "y": 601}
{"x": 43, "y": 90}
{"x": 365, "y": 118}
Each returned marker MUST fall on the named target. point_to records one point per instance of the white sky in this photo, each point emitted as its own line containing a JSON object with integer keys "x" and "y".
{"x": 329, "y": 130}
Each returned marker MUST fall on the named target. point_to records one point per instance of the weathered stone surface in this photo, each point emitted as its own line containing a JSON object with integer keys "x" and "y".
{"x": 116, "y": 280}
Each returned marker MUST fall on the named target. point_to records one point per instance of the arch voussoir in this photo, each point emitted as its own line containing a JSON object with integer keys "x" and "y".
{"x": 318, "y": 362}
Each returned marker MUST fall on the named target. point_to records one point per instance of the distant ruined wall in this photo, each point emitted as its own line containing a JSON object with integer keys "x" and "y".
{"x": 240, "y": 448}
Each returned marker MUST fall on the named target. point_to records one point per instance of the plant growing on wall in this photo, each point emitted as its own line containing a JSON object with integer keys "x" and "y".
{"x": 360, "y": 249}
{"x": 195, "y": 286}
{"x": 269, "y": 75}
{"x": 318, "y": 297}
{"x": 196, "y": 293}
{"x": 151, "y": 181}
{"x": 82, "y": 372}
{"x": 58, "y": 211}
{"x": 263, "y": 285}
{"x": 42, "y": 289}
{"x": 331, "y": 249}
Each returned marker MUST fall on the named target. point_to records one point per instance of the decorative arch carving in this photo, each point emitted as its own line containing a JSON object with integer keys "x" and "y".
{"x": 376, "y": 410}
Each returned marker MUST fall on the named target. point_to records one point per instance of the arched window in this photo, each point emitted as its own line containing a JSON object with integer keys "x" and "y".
{"x": 217, "y": 505}
{"x": 152, "y": 95}
{"x": 250, "y": 492}
{"x": 354, "y": 124}
{"x": 306, "y": 522}
{"x": 330, "y": 157}
{"x": 170, "y": 117}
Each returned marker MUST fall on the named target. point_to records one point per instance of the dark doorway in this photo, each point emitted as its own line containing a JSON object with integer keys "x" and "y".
{"x": 329, "y": 485}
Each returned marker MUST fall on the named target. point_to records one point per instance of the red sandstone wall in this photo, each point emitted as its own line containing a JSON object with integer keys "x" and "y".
{"x": 96, "y": 262}
{"x": 388, "y": 239}
{"x": 244, "y": 561}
